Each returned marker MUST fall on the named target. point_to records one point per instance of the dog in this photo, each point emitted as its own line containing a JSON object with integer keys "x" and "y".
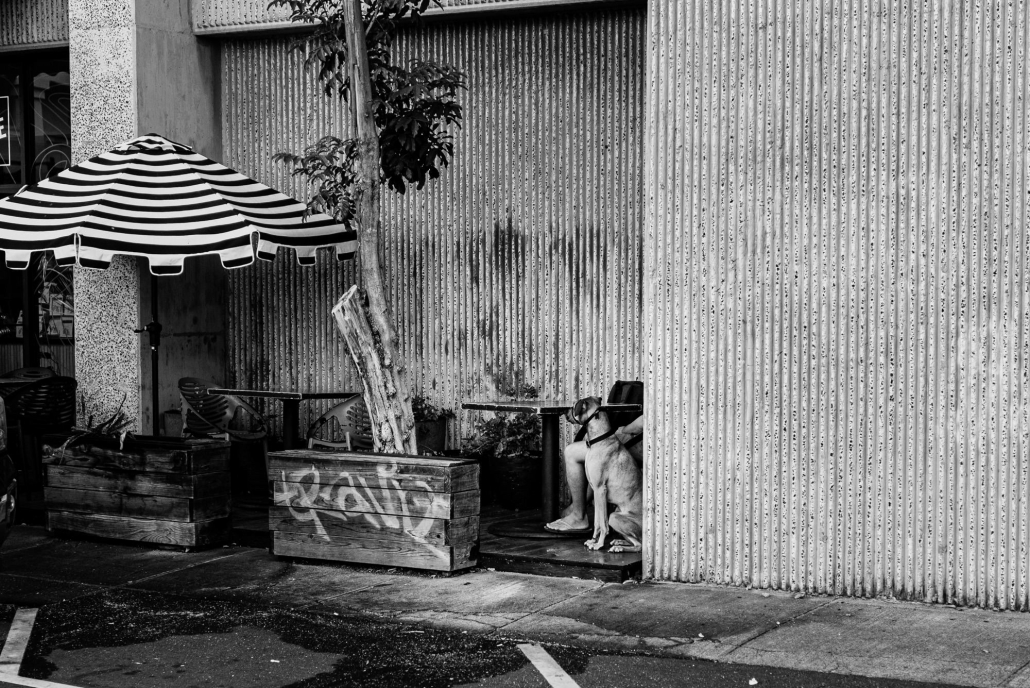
{"x": 614, "y": 477}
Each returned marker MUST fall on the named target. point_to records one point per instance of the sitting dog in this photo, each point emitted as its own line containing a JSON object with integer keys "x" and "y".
{"x": 613, "y": 476}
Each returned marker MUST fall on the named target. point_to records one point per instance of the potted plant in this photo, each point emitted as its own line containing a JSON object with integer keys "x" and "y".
{"x": 508, "y": 447}
{"x": 430, "y": 425}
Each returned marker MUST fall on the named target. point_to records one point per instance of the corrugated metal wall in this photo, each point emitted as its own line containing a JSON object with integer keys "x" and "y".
{"x": 28, "y": 23}
{"x": 524, "y": 260}
{"x": 837, "y": 297}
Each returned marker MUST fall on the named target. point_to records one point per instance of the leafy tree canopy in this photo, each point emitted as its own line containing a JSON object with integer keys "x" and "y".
{"x": 413, "y": 105}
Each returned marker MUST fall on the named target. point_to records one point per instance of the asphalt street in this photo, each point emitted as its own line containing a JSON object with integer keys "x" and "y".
{"x": 123, "y": 637}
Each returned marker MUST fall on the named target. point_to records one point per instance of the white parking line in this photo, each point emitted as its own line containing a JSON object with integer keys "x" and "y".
{"x": 14, "y": 651}
{"x": 17, "y": 641}
{"x": 547, "y": 667}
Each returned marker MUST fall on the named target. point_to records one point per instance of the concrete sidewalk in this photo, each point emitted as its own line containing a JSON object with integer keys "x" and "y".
{"x": 876, "y": 638}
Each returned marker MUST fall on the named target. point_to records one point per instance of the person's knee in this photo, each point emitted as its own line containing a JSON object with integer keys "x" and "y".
{"x": 575, "y": 452}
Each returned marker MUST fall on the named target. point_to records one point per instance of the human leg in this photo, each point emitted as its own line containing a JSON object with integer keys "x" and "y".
{"x": 574, "y": 517}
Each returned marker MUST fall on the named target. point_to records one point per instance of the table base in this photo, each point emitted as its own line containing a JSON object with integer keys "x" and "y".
{"x": 530, "y": 528}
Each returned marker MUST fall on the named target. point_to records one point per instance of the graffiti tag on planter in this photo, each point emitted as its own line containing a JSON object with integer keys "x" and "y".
{"x": 5, "y": 131}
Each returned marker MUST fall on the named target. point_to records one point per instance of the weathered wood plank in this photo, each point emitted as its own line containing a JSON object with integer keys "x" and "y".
{"x": 128, "y": 482}
{"x": 395, "y": 472}
{"x": 198, "y": 534}
{"x": 118, "y": 504}
{"x": 190, "y": 456}
{"x": 329, "y": 524}
{"x": 362, "y": 551}
{"x": 209, "y": 508}
{"x": 376, "y": 500}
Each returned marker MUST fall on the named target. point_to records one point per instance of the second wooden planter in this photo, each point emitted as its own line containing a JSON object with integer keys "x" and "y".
{"x": 160, "y": 490}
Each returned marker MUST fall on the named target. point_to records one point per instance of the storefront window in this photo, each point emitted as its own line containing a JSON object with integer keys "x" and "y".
{"x": 36, "y": 305}
{"x": 51, "y": 109}
{"x": 11, "y": 166}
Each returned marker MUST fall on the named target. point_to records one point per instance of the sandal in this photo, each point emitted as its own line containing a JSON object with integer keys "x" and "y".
{"x": 564, "y": 528}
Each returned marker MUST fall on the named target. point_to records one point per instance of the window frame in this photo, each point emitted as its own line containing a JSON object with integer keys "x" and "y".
{"x": 25, "y": 63}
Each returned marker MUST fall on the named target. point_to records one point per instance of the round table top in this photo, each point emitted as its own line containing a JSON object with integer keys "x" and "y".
{"x": 541, "y": 407}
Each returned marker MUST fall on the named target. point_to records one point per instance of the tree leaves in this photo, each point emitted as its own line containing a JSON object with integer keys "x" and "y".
{"x": 413, "y": 106}
{"x": 328, "y": 165}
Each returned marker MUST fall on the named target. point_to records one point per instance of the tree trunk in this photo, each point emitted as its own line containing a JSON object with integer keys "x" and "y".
{"x": 392, "y": 425}
{"x": 364, "y": 318}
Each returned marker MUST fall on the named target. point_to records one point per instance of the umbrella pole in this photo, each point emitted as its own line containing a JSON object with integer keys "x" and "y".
{"x": 153, "y": 328}
{"x": 155, "y": 341}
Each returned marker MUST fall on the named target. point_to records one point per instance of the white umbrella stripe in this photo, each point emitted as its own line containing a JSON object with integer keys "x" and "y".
{"x": 154, "y": 198}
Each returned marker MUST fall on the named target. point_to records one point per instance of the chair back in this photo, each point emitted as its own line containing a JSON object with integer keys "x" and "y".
{"x": 203, "y": 414}
{"x": 345, "y": 426}
{"x": 44, "y": 406}
{"x": 209, "y": 415}
{"x": 30, "y": 373}
{"x": 625, "y": 392}
{"x": 622, "y": 392}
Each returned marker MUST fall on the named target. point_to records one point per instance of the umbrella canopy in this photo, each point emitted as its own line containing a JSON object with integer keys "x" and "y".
{"x": 158, "y": 199}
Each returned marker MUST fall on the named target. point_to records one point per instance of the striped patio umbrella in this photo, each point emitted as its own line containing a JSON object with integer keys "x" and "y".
{"x": 158, "y": 199}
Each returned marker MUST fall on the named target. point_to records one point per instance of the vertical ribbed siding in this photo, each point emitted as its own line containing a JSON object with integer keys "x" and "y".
{"x": 32, "y": 22}
{"x": 523, "y": 260}
{"x": 836, "y": 297}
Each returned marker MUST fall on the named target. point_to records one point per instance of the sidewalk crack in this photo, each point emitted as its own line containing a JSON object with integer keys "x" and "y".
{"x": 543, "y": 610}
{"x": 177, "y": 570}
{"x": 770, "y": 629}
{"x": 1011, "y": 677}
{"x": 323, "y": 600}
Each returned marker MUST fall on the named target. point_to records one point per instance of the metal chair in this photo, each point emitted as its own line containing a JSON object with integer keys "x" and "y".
{"x": 211, "y": 415}
{"x": 30, "y": 373}
{"x": 38, "y": 408}
{"x": 45, "y": 405}
{"x": 345, "y": 426}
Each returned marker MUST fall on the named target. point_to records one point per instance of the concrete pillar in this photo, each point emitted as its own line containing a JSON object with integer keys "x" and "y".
{"x": 137, "y": 68}
{"x": 102, "y": 56}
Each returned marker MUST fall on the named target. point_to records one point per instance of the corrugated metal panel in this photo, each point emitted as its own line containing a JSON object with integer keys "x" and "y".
{"x": 25, "y": 23}
{"x": 523, "y": 260}
{"x": 837, "y": 298}
{"x": 62, "y": 358}
{"x": 240, "y": 16}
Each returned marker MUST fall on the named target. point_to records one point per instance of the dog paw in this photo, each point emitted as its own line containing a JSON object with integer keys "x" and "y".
{"x": 621, "y": 549}
{"x": 594, "y": 544}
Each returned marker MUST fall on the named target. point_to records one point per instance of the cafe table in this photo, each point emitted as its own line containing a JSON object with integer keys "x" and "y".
{"x": 550, "y": 413}
{"x": 291, "y": 406}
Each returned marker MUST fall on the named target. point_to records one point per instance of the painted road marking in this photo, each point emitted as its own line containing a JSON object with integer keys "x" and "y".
{"x": 547, "y": 667}
{"x": 14, "y": 651}
{"x": 17, "y": 641}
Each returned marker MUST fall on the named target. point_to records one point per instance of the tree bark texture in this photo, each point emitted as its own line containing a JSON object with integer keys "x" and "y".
{"x": 393, "y": 426}
{"x": 363, "y": 315}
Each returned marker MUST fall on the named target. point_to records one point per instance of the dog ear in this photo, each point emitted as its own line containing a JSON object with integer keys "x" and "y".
{"x": 577, "y": 408}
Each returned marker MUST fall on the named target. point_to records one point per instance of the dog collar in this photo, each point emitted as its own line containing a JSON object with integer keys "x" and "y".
{"x": 602, "y": 436}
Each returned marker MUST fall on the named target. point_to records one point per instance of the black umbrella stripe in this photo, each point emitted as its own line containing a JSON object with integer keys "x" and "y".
{"x": 159, "y": 199}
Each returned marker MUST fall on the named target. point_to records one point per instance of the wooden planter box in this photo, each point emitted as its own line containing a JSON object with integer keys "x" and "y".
{"x": 365, "y": 508}
{"x": 161, "y": 490}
